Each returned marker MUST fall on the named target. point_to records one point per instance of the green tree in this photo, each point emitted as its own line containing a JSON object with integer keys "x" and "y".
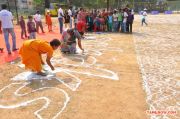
{"x": 38, "y": 2}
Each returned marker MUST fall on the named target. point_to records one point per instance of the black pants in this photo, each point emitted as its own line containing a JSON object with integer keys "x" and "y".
{"x": 129, "y": 27}
{"x": 144, "y": 21}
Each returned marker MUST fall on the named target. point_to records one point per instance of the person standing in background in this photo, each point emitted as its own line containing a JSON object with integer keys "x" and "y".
{"x": 66, "y": 19}
{"x": 120, "y": 20}
{"x": 125, "y": 15}
{"x": 60, "y": 18}
{"x": 23, "y": 27}
{"x": 6, "y": 18}
{"x": 70, "y": 17}
{"x": 31, "y": 27}
{"x": 144, "y": 15}
{"x": 37, "y": 18}
{"x": 89, "y": 21}
{"x": 115, "y": 21}
{"x": 130, "y": 20}
{"x": 110, "y": 22}
{"x": 49, "y": 21}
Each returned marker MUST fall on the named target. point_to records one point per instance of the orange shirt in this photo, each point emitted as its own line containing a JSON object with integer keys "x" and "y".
{"x": 48, "y": 19}
{"x": 31, "y": 53}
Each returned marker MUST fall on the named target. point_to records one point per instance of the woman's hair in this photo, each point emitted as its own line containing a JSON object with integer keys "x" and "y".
{"x": 55, "y": 42}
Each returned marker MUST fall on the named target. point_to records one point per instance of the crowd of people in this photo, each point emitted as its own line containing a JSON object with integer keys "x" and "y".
{"x": 117, "y": 20}
{"x": 76, "y": 22}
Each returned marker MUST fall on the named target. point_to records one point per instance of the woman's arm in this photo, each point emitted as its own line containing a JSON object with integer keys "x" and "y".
{"x": 49, "y": 62}
{"x": 42, "y": 62}
{"x": 79, "y": 44}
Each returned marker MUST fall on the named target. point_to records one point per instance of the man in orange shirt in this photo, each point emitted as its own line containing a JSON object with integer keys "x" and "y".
{"x": 31, "y": 51}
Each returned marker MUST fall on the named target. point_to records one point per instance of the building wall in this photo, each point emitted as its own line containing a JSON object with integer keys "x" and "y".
{"x": 21, "y": 4}
{"x": 25, "y": 4}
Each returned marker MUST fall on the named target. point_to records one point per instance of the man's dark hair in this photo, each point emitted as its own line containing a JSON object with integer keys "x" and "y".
{"x": 55, "y": 42}
{"x": 81, "y": 8}
{"x": 3, "y": 6}
{"x": 71, "y": 31}
{"x": 29, "y": 17}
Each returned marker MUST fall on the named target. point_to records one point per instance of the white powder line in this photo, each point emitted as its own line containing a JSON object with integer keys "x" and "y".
{"x": 113, "y": 76}
{"x": 73, "y": 86}
{"x": 26, "y": 103}
{"x": 158, "y": 71}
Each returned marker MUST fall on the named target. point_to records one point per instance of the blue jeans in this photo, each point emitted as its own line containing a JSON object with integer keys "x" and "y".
{"x": 124, "y": 26}
{"x": 144, "y": 21}
{"x": 32, "y": 35}
{"x": 70, "y": 22}
{"x": 61, "y": 24}
{"x": 115, "y": 26}
{"x": 120, "y": 25}
{"x": 6, "y": 32}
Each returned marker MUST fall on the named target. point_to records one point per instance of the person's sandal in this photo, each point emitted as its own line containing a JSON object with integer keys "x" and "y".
{"x": 15, "y": 49}
{"x": 41, "y": 74}
{"x": 9, "y": 53}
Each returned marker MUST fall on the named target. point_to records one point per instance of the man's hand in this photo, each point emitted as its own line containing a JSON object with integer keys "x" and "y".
{"x": 82, "y": 50}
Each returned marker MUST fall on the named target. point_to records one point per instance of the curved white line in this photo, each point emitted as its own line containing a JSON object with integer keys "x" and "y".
{"x": 36, "y": 99}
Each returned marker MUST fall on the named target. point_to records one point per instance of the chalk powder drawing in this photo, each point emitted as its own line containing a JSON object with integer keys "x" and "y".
{"x": 157, "y": 58}
{"x": 88, "y": 68}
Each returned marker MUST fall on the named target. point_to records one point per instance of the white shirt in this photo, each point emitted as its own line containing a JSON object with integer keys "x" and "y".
{"x": 125, "y": 17}
{"x": 144, "y": 14}
{"x": 70, "y": 13}
{"x": 60, "y": 13}
{"x": 6, "y": 19}
{"x": 37, "y": 17}
{"x": 115, "y": 17}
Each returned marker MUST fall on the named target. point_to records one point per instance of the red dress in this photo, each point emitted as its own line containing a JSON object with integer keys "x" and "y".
{"x": 49, "y": 22}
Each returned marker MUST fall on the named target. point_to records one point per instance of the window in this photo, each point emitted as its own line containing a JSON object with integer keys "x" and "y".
{"x": 24, "y": 1}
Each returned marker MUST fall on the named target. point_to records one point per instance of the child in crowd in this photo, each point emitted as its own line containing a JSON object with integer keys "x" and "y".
{"x": 120, "y": 20}
{"x": 102, "y": 22}
{"x": 49, "y": 21}
{"x": 130, "y": 19}
{"x": 23, "y": 27}
{"x": 89, "y": 20}
{"x": 115, "y": 21}
{"x": 37, "y": 19}
{"x": 144, "y": 15}
{"x": 96, "y": 24}
{"x": 66, "y": 18}
{"x": 31, "y": 28}
{"x": 125, "y": 15}
{"x": 110, "y": 22}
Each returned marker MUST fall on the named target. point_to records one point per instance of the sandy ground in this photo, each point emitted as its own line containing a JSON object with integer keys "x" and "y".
{"x": 158, "y": 51}
{"x": 120, "y": 76}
